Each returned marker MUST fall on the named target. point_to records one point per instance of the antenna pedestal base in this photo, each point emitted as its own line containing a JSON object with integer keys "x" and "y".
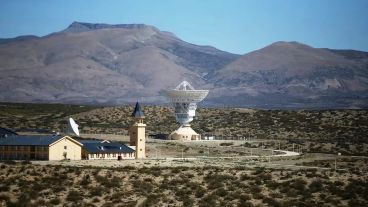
{"x": 184, "y": 133}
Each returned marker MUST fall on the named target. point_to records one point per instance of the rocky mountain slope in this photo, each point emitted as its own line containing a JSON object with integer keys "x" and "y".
{"x": 115, "y": 64}
{"x": 292, "y": 74}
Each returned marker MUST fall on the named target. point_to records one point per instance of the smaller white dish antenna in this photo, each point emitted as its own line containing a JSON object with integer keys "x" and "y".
{"x": 73, "y": 126}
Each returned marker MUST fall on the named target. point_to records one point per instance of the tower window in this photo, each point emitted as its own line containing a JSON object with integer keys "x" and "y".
{"x": 65, "y": 147}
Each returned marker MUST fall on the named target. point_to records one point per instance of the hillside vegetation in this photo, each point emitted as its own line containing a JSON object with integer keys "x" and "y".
{"x": 229, "y": 123}
{"x": 317, "y": 130}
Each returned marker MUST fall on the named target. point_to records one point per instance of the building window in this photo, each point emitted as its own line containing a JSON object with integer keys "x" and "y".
{"x": 140, "y": 140}
{"x": 114, "y": 155}
{"x": 108, "y": 155}
{"x": 65, "y": 147}
{"x": 92, "y": 155}
{"x": 140, "y": 149}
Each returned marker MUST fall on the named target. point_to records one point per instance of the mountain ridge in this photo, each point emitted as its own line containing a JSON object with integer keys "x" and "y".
{"x": 115, "y": 64}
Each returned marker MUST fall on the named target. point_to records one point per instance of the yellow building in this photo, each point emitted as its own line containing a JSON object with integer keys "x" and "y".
{"x": 56, "y": 147}
{"x": 40, "y": 147}
{"x": 137, "y": 133}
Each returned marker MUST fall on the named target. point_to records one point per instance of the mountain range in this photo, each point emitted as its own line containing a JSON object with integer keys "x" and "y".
{"x": 116, "y": 64}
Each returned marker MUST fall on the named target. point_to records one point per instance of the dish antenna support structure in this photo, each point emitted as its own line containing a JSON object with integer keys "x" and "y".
{"x": 184, "y": 99}
{"x": 73, "y": 126}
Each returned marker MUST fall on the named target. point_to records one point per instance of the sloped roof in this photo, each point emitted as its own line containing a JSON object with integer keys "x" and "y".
{"x": 138, "y": 113}
{"x": 113, "y": 147}
{"x": 85, "y": 141}
{"x": 4, "y": 131}
{"x": 33, "y": 140}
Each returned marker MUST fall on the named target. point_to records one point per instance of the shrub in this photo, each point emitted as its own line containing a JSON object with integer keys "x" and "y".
{"x": 246, "y": 204}
{"x": 208, "y": 201}
{"x": 226, "y": 144}
{"x": 24, "y": 199}
{"x": 4, "y": 188}
{"x": 255, "y": 189}
{"x": 74, "y": 196}
{"x": 26, "y": 162}
{"x": 221, "y": 192}
{"x": 200, "y": 191}
{"x": 271, "y": 202}
{"x": 97, "y": 191}
{"x": 298, "y": 184}
{"x": 150, "y": 201}
{"x": 258, "y": 196}
{"x": 316, "y": 186}
{"x": 55, "y": 201}
{"x": 85, "y": 181}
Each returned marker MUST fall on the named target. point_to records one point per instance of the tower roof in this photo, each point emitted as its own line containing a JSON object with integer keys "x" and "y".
{"x": 138, "y": 113}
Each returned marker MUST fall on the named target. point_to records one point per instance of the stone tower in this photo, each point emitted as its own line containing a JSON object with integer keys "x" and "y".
{"x": 137, "y": 133}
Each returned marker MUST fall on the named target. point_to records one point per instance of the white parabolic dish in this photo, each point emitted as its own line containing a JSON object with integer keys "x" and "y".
{"x": 184, "y": 99}
{"x": 74, "y": 126}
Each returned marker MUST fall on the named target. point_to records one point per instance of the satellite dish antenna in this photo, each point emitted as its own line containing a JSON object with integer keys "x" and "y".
{"x": 73, "y": 126}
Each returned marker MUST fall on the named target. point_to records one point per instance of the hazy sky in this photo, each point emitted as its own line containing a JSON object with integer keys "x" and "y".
{"x": 237, "y": 26}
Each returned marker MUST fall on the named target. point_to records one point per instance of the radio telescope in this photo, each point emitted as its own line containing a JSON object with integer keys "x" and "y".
{"x": 184, "y": 99}
{"x": 73, "y": 126}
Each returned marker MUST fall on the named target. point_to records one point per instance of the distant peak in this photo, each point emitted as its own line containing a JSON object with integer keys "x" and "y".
{"x": 289, "y": 44}
{"x": 83, "y": 26}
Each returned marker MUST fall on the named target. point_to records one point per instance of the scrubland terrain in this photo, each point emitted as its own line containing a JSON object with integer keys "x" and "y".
{"x": 211, "y": 173}
{"x": 319, "y": 131}
{"x": 24, "y": 184}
